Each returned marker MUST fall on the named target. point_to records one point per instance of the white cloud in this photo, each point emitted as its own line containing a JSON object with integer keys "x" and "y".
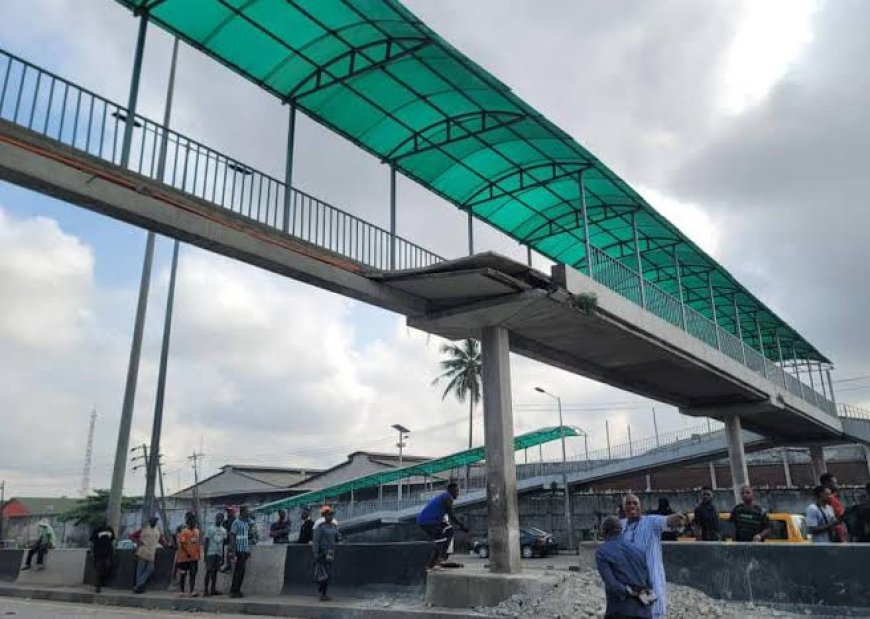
{"x": 691, "y": 219}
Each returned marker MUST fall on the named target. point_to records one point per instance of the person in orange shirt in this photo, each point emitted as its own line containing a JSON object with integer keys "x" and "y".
{"x": 188, "y": 555}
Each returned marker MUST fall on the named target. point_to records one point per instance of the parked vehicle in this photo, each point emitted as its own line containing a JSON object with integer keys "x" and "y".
{"x": 784, "y": 528}
{"x": 533, "y": 543}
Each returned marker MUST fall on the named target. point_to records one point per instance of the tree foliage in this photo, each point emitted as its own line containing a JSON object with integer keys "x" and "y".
{"x": 461, "y": 370}
{"x": 91, "y": 510}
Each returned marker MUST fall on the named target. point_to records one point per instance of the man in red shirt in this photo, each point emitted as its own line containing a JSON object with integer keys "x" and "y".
{"x": 829, "y": 481}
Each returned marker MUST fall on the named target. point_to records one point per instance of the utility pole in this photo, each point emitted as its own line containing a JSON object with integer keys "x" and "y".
{"x": 194, "y": 458}
{"x": 655, "y": 425}
{"x": 157, "y": 423}
{"x": 403, "y": 434}
{"x": 89, "y": 452}
{"x": 2, "y": 508}
{"x": 120, "y": 465}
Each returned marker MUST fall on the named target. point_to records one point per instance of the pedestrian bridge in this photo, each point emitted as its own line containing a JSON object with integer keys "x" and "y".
{"x": 631, "y": 301}
{"x": 64, "y": 140}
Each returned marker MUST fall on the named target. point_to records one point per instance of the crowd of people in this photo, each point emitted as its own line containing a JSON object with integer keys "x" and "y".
{"x": 630, "y": 559}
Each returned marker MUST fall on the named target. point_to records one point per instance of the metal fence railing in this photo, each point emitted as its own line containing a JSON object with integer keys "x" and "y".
{"x": 627, "y": 282}
{"x": 76, "y": 117}
{"x": 853, "y": 412}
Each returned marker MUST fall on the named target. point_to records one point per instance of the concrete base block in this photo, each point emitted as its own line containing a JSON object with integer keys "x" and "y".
{"x": 463, "y": 589}
{"x": 264, "y": 571}
{"x": 63, "y": 567}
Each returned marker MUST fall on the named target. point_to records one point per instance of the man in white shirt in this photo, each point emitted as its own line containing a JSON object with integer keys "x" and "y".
{"x": 820, "y": 516}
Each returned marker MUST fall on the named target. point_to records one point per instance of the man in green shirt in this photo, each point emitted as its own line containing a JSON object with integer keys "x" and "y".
{"x": 750, "y": 520}
{"x": 44, "y": 540}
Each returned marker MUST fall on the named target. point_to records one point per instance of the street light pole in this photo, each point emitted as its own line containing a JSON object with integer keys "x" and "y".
{"x": 403, "y": 432}
{"x": 568, "y": 524}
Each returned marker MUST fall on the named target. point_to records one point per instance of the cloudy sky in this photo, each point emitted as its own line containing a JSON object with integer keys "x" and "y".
{"x": 744, "y": 122}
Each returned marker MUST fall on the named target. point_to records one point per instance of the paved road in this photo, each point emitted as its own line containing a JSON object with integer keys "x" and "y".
{"x": 24, "y": 609}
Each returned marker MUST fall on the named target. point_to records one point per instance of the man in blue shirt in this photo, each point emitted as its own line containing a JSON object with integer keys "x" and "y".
{"x": 240, "y": 542}
{"x": 623, "y": 569}
{"x": 432, "y": 520}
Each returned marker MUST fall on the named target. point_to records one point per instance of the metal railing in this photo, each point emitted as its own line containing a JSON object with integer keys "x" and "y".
{"x": 851, "y": 411}
{"x": 599, "y": 458}
{"x": 76, "y": 117}
{"x": 627, "y": 282}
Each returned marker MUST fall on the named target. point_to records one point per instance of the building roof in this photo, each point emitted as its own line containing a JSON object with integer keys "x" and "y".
{"x": 41, "y": 506}
{"x": 236, "y": 479}
{"x": 376, "y": 74}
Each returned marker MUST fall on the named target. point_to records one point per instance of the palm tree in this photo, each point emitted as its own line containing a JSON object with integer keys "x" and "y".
{"x": 461, "y": 370}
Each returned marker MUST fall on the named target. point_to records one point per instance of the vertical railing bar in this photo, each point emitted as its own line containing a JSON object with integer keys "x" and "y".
{"x": 114, "y": 132}
{"x": 195, "y": 168}
{"x": 90, "y": 125}
{"x": 103, "y": 127}
{"x": 76, "y": 118}
{"x": 35, "y": 99}
{"x": 5, "y": 83}
{"x": 142, "y": 139}
{"x": 48, "y": 107}
{"x": 20, "y": 92}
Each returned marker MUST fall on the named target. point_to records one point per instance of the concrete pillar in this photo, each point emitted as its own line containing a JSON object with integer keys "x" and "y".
{"x": 648, "y": 483}
{"x": 817, "y": 457}
{"x": 867, "y": 457}
{"x": 714, "y": 483}
{"x": 736, "y": 455}
{"x": 786, "y": 467}
{"x": 501, "y": 474}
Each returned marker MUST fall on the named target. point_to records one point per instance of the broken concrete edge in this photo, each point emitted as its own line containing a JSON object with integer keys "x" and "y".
{"x": 481, "y": 589}
{"x": 248, "y": 606}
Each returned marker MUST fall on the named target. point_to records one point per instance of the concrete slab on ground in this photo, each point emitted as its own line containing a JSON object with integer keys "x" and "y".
{"x": 478, "y": 588}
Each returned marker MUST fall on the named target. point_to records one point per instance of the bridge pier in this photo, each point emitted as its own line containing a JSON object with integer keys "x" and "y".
{"x": 501, "y": 475}
{"x": 817, "y": 457}
{"x": 736, "y": 455}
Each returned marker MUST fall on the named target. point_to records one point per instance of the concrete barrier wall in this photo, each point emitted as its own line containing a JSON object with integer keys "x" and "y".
{"x": 10, "y": 563}
{"x": 361, "y": 566}
{"x": 63, "y": 567}
{"x": 820, "y": 574}
{"x": 264, "y": 572}
{"x": 823, "y": 574}
{"x": 124, "y": 569}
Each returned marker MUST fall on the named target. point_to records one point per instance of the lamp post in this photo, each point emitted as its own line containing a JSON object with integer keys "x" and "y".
{"x": 403, "y": 434}
{"x": 568, "y": 525}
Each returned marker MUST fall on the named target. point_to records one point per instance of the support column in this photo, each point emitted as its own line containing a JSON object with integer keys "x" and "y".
{"x": 648, "y": 482}
{"x": 501, "y": 474}
{"x": 392, "y": 218}
{"x": 714, "y": 481}
{"x": 713, "y": 309}
{"x": 470, "y": 233}
{"x": 680, "y": 289}
{"x": 831, "y": 386}
{"x": 786, "y": 467}
{"x": 113, "y": 514}
{"x": 867, "y": 458}
{"x": 585, "y": 214}
{"x": 288, "y": 167}
{"x": 529, "y": 255}
{"x": 817, "y": 457}
{"x": 638, "y": 259}
{"x": 736, "y": 455}
{"x": 739, "y": 329}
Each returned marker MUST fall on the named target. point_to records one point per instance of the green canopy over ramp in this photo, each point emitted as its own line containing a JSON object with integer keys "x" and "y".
{"x": 429, "y": 467}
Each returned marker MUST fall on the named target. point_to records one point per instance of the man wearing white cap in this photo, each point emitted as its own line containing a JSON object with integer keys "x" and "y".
{"x": 44, "y": 540}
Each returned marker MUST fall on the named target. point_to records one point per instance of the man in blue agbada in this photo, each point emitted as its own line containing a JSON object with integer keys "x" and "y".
{"x": 622, "y": 567}
{"x": 437, "y": 520}
{"x": 644, "y": 532}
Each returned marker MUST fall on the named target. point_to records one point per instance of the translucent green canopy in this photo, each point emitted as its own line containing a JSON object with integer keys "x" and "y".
{"x": 429, "y": 467}
{"x": 373, "y": 72}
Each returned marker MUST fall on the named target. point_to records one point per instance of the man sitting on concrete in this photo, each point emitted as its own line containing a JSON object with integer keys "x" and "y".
{"x": 44, "y": 540}
{"x": 440, "y": 530}
{"x": 622, "y": 567}
{"x": 750, "y": 521}
{"x": 644, "y": 532}
{"x": 821, "y": 520}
